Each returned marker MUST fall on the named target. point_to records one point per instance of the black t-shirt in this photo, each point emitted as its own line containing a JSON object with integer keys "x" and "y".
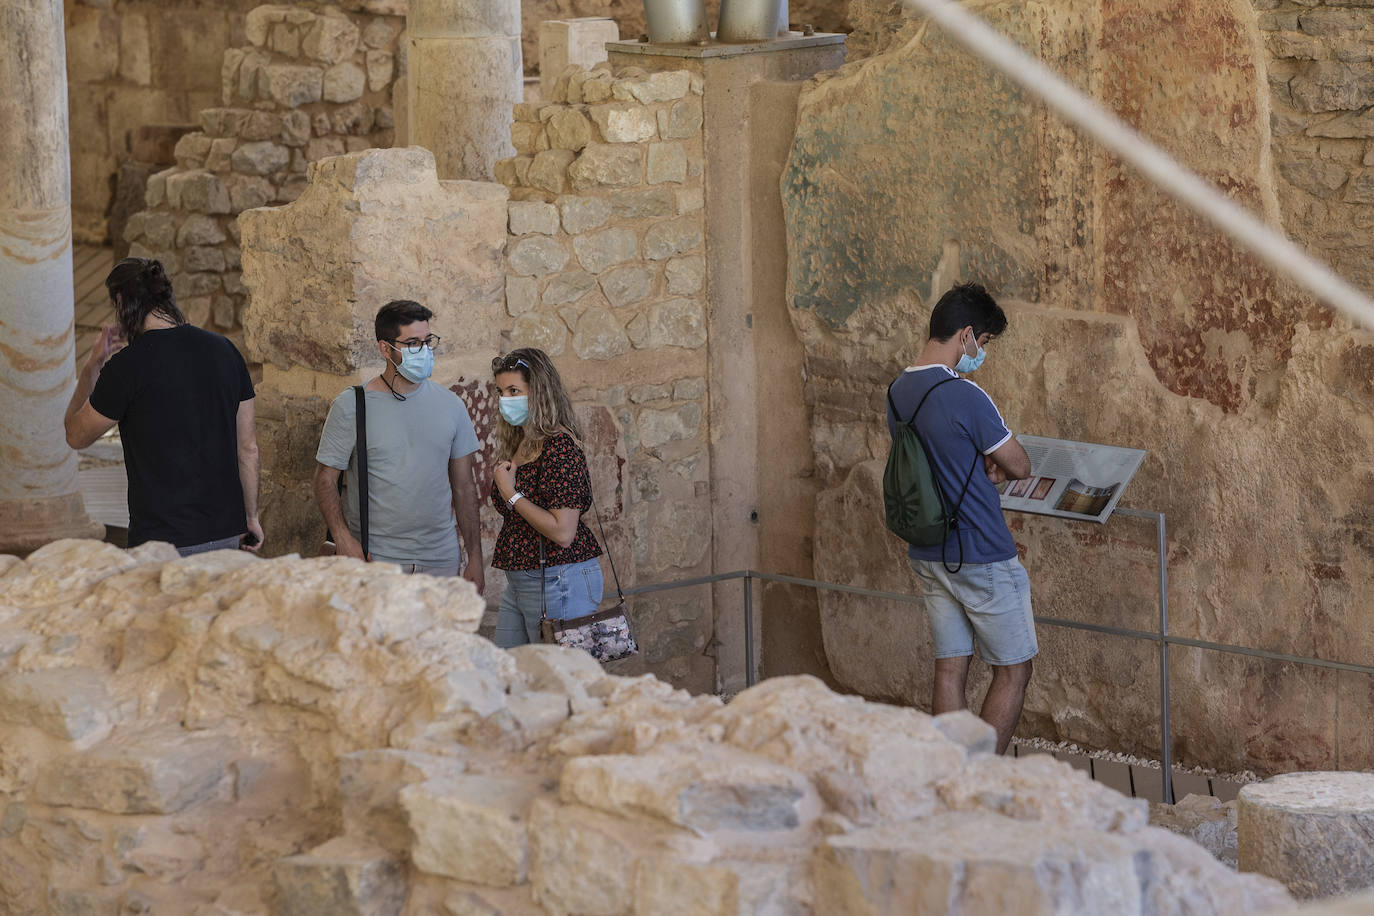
{"x": 175, "y": 394}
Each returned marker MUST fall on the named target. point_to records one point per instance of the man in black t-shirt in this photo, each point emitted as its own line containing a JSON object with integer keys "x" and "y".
{"x": 183, "y": 400}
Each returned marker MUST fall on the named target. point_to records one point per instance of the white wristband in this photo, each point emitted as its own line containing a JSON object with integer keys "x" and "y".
{"x": 515, "y": 499}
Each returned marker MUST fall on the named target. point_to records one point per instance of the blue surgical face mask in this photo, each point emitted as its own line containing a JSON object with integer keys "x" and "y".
{"x": 515, "y": 410}
{"x": 415, "y": 366}
{"x": 969, "y": 363}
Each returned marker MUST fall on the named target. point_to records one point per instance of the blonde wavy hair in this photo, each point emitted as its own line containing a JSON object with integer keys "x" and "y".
{"x": 551, "y": 409}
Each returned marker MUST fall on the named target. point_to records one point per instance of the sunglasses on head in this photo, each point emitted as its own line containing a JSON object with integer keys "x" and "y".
{"x": 508, "y": 364}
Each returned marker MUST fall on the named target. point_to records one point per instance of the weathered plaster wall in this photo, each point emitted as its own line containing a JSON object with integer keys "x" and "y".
{"x": 1139, "y": 327}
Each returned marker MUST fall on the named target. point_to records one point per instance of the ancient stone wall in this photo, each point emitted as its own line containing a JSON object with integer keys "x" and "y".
{"x": 606, "y": 267}
{"x": 1136, "y": 325}
{"x": 307, "y": 86}
{"x": 223, "y": 735}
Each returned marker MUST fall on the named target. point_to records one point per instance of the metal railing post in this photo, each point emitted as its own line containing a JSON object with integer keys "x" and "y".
{"x": 748, "y": 628}
{"x": 1166, "y": 737}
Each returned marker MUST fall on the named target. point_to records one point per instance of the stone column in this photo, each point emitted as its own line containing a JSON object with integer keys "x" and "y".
{"x": 464, "y": 77}
{"x": 39, "y": 501}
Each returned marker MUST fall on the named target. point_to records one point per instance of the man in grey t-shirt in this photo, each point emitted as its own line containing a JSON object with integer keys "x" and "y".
{"x": 420, "y": 443}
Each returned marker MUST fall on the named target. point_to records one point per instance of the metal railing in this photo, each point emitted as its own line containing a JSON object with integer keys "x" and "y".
{"x": 1162, "y": 638}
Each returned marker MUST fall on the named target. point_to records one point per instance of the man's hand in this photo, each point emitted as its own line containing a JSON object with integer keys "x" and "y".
{"x": 106, "y": 345}
{"x": 252, "y": 541}
{"x": 995, "y": 473}
{"x": 474, "y": 573}
{"x": 504, "y": 475}
{"x": 349, "y": 546}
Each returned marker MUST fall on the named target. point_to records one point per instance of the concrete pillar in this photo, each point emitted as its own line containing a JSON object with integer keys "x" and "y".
{"x": 464, "y": 76}
{"x": 1312, "y": 831}
{"x": 39, "y": 501}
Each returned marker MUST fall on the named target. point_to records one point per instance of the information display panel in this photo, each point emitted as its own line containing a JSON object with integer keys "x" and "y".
{"x": 1079, "y": 480}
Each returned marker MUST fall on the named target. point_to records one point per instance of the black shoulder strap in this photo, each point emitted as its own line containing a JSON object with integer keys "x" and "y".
{"x": 892, "y": 404}
{"x": 361, "y": 399}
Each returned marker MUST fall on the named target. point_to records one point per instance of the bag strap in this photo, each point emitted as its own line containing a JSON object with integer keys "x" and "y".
{"x": 606, "y": 545}
{"x": 361, "y": 424}
{"x": 919, "y": 404}
{"x": 543, "y": 608}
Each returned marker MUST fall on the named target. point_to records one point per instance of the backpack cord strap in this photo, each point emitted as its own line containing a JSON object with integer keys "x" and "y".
{"x": 954, "y": 520}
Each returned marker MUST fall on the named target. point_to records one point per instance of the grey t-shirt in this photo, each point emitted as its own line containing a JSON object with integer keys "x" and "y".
{"x": 409, "y": 445}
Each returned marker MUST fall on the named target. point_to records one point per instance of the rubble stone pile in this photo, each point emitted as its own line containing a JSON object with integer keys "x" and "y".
{"x": 222, "y": 734}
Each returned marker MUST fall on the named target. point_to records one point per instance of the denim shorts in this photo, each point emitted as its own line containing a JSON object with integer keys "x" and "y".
{"x": 570, "y": 590}
{"x": 989, "y": 602}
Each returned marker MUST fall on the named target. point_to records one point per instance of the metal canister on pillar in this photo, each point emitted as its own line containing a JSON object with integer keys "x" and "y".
{"x": 675, "y": 21}
{"x": 749, "y": 20}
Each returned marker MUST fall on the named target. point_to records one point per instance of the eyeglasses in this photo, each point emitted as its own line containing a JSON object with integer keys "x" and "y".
{"x": 415, "y": 346}
{"x": 508, "y": 364}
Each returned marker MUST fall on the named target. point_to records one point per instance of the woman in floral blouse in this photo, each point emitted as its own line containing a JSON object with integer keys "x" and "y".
{"x": 541, "y": 488}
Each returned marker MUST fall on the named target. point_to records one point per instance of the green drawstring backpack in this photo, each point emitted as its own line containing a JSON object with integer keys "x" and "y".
{"x": 916, "y": 508}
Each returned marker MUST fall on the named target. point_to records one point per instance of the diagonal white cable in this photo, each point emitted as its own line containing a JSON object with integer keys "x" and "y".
{"x": 1158, "y": 166}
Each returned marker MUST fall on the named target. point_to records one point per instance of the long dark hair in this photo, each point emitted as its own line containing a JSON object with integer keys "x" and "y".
{"x": 551, "y": 409}
{"x": 139, "y": 287}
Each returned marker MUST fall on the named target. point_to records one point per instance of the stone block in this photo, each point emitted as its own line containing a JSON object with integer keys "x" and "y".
{"x": 293, "y": 85}
{"x": 295, "y": 128}
{"x": 1320, "y": 177}
{"x": 582, "y": 861}
{"x": 1204, "y": 820}
{"x": 572, "y": 42}
{"x": 597, "y": 88}
{"x": 330, "y": 39}
{"x": 262, "y": 157}
{"x": 689, "y": 389}
{"x": 624, "y": 123}
{"x": 627, "y": 285}
{"x": 551, "y": 667}
{"x": 198, "y": 191}
{"x": 689, "y": 200}
{"x": 549, "y": 170}
{"x": 68, "y": 703}
{"x": 203, "y": 257}
{"x": 675, "y": 323}
{"x": 568, "y": 287}
{"x": 247, "y": 192}
{"x": 221, "y": 149}
{"x": 471, "y": 828}
{"x": 259, "y": 21}
{"x": 568, "y": 129}
{"x": 93, "y": 44}
{"x": 667, "y": 163}
{"x": 663, "y": 240}
{"x": 599, "y": 335}
{"x": 1329, "y": 22}
{"x": 979, "y": 864}
{"x": 528, "y": 138}
{"x": 1361, "y": 188}
{"x": 528, "y": 217}
{"x": 1333, "y": 86}
{"x": 157, "y": 772}
{"x": 191, "y": 150}
{"x": 222, "y": 122}
{"x": 664, "y": 86}
{"x": 323, "y": 148}
{"x": 709, "y": 788}
{"x": 599, "y": 251}
{"x": 1314, "y": 832}
{"x": 542, "y": 330}
{"x": 607, "y": 165}
{"x": 514, "y": 172}
{"x": 537, "y": 256}
{"x": 381, "y": 67}
{"x": 685, "y": 276}
{"x": 135, "y": 54}
{"x": 581, "y": 214}
{"x": 260, "y": 125}
{"x": 678, "y": 424}
{"x": 681, "y": 120}
{"x": 370, "y": 783}
{"x": 380, "y": 32}
{"x": 346, "y": 876}
{"x": 344, "y": 82}
{"x": 729, "y": 886}
{"x": 651, "y": 204}
{"x": 386, "y": 209}
{"x": 522, "y": 295}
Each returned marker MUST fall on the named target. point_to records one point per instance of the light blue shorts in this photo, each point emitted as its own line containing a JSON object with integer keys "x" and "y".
{"x": 570, "y": 590}
{"x": 989, "y": 602}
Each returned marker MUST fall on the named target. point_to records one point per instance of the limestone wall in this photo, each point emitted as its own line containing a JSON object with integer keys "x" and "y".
{"x": 606, "y": 269}
{"x": 307, "y": 86}
{"x": 222, "y": 735}
{"x": 1131, "y": 323}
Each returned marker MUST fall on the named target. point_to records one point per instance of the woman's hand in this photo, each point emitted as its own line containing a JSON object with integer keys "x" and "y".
{"x": 504, "y": 475}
